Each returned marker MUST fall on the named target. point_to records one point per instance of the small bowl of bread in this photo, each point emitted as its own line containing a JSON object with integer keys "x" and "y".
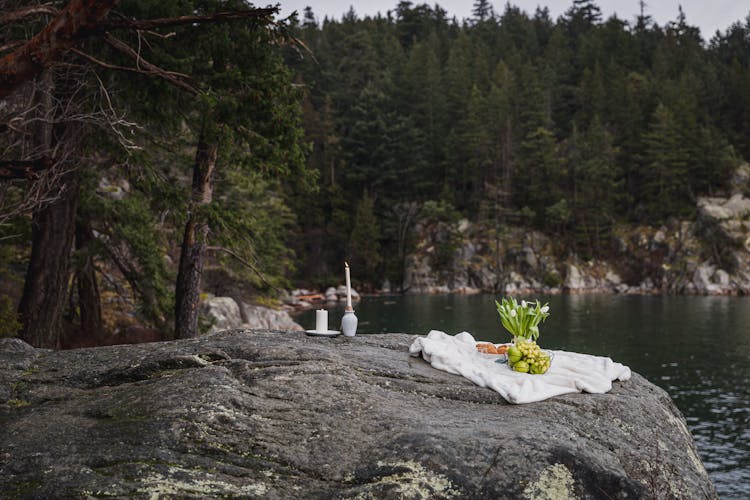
{"x": 499, "y": 352}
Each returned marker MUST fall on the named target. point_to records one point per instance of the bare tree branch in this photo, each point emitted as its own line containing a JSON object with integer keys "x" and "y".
{"x": 63, "y": 32}
{"x": 219, "y": 17}
{"x": 152, "y": 70}
{"x": 78, "y": 105}
{"x": 11, "y": 45}
{"x": 143, "y": 66}
{"x": 243, "y": 262}
{"x": 33, "y": 10}
{"x": 24, "y": 169}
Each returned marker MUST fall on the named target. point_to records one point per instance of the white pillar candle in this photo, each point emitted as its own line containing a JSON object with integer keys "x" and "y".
{"x": 321, "y": 320}
{"x": 348, "y": 287}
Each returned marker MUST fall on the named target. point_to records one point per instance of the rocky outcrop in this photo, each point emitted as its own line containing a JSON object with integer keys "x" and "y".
{"x": 264, "y": 318}
{"x": 260, "y": 414}
{"x": 223, "y": 313}
{"x": 520, "y": 262}
{"x": 726, "y": 225}
{"x": 732, "y": 213}
{"x": 710, "y": 255}
{"x": 419, "y": 276}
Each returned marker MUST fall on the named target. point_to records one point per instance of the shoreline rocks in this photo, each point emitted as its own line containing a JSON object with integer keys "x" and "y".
{"x": 262, "y": 414}
{"x": 709, "y": 256}
{"x": 224, "y": 313}
{"x": 303, "y": 298}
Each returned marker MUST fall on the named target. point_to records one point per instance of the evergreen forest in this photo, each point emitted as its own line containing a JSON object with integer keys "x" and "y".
{"x": 162, "y": 150}
{"x": 571, "y": 126}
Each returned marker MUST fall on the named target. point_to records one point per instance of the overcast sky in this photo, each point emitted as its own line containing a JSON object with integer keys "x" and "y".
{"x": 708, "y": 15}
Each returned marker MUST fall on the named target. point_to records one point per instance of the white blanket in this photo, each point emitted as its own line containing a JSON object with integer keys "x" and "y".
{"x": 569, "y": 372}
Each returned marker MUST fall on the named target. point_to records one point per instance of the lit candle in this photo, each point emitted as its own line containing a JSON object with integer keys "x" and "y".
{"x": 321, "y": 321}
{"x": 348, "y": 287}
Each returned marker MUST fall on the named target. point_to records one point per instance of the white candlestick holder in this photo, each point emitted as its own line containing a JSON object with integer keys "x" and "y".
{"x": 349, "y": 323}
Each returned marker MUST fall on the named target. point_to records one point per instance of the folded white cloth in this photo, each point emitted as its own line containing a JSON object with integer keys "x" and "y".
{"x": 569, "y": 372}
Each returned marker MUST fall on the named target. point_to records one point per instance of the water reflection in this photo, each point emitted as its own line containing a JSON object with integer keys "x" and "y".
{"x": 696, "y": 348}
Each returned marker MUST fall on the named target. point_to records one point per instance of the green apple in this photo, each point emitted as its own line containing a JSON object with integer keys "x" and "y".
{"x": 521, "y": 366}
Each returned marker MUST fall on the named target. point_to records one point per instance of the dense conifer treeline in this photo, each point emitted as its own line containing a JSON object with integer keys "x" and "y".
{"x": 568, "y": 125}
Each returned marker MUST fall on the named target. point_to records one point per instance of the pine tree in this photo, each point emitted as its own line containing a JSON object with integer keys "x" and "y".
{"x": 592, "y": 96}
{"x": 309, "y": 22}
{"x": 364, "y": 245}
{"x": 596, "y": 187}
{"x": 665, "y": 184}
{"x": 482, "y": 11}
{"x": 583, "y": 14}
{"x": 423, "y": 100}
{"x": 538, "y": 172}
{"x": 537, "y": 179}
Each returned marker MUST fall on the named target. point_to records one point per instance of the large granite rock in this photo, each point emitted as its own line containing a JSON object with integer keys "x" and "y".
{"x": 224, "y": 313}
{"x": 282, "y": 415}
{"x": 265, "y": 318}
{"x": 737, "y": 207}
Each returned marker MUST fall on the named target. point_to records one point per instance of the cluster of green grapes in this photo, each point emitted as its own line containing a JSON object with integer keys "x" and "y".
{"x": 527, "y": 357}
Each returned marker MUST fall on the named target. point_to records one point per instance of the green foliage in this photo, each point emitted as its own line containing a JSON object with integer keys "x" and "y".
{"x": 559, "y": 214}
{"x": 364, "y": 244}
{"x": 251, "y": 218}
{"x": 13, "y": 258}
{"x": 439, "y": 211}
{"x": 205, "y": 323}
{"x": 666, "y": 166}
{"x": 540, "y": 168}
{"x": 442, "y": 218}
{"x": 597, "y": 183}
{"x": 9, "y": 324}
{"x": 553, "y": 279}
{"x": 135, "y": 241}
{"x": 247, "y": 106}
{"x": 570, "y": 125}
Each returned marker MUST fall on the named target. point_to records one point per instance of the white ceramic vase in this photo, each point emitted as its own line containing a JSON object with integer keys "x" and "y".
{"x": 349, "y": 323}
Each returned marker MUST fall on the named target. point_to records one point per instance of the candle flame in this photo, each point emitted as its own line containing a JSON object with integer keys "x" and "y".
{"x": 346, "y": 264}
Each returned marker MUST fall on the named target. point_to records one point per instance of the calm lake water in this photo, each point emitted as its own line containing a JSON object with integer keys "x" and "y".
{"x": 696, "y": 348}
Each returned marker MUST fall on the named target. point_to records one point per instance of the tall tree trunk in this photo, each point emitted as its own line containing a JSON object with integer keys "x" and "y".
{"x": 46, "y": 286}
{"x": 187, "y": 288}
{"x": 89, "y": 301}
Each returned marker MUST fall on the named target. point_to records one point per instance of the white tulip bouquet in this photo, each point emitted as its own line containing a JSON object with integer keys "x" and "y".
{"x": 522, "y": 319}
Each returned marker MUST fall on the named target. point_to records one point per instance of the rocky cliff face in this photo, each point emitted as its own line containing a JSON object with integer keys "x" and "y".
{"x": 263, "y": 414}
{"x": 710, "y": 255}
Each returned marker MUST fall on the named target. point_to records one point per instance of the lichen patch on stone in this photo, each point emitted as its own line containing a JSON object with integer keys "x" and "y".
{"x": 416, "y": 482}
{"x": 158, "y": 484}
{"x": 555, "y": 483}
